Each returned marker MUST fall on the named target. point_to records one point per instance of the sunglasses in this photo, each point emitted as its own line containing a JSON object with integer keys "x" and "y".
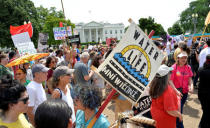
{"x": 24, "y": 100}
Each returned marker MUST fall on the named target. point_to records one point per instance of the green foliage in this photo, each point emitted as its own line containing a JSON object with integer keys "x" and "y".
{"x": 201, "y": 7}
{"x": 15, "y": 12}
{"x": 149, "y": 24}
{"x": 50, "y": 19}
{"x": 176, "y": 29}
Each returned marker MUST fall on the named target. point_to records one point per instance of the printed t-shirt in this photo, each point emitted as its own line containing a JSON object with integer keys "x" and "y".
{"x": 180, "y": 76}
{"x": 101, "y": 122}
{"x": 168, "y": 101}
{"x": 20, "y": 123}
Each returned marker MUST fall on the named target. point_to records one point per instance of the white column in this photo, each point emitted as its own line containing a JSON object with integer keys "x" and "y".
{"x": 90, "y": 38}
{"x": 103, "y": 35}
{"x": 96, "y": 35}
{"x": 83, "y": 35}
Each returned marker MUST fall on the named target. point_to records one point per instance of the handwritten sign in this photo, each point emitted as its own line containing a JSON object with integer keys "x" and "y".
{"x": 60, "y": 32}
{"x": 23, "y": 43}
{"x": 132, "y": 64}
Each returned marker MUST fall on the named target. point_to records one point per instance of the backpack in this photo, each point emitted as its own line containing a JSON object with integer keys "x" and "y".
{"x": 171, "y": 60}
{"x": 192, "y": 57}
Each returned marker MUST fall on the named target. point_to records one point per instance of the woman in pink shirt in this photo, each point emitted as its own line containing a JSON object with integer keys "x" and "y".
{"x": 181, "y": 80}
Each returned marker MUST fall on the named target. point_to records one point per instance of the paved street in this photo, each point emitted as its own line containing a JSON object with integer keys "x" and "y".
{"x": 192, "y": 111}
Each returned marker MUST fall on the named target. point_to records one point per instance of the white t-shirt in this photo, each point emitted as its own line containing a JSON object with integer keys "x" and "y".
{"x": 202, "y": 56}
{"x": 36, "y": 94}
{"x": 68, "y": 99}
{"x": 59, "y": 59}
{"x": 29, "y": 75}
{"x": 168, "y": 47}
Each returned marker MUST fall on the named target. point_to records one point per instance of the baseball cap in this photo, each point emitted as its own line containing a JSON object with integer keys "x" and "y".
{"x": 182, "y": 54}
{"x": 39, "y": 68}
{"x": 164, "y": 70}
{"x": 62, "y": 70}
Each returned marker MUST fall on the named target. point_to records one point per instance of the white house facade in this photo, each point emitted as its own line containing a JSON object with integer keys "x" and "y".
{"x": 94, "y": 31}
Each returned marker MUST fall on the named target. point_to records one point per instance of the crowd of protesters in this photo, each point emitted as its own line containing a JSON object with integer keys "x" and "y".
{"x": 62, "y": 91}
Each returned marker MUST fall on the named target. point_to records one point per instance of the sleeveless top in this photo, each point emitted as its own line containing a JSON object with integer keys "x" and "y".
{"x": 68, "y": 99}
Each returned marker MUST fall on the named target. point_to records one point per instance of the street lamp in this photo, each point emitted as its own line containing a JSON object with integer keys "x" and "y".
{"x": 194, "y": 19}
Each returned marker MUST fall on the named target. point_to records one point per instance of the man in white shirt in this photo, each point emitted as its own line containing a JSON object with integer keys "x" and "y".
{"x": 204, "y": 53}
{"x": 35, "y": 90}
{"x": 168, "y": 46}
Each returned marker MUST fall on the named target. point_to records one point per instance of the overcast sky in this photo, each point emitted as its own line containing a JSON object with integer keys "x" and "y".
{"x": 165, "y": 12}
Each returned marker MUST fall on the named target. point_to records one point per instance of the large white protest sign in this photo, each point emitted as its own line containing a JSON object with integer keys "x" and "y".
{"x": 132, "y": 65}
{"x": 23, "y": 43}
{"x": 60, "y": 32}
{"x": 18, "y": 39}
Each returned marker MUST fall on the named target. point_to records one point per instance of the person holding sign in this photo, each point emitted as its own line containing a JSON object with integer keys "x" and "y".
{"x": 165, "y": 102}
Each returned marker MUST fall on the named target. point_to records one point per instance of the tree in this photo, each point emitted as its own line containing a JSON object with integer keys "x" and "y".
{"x": 149, "y": 24}
{"x": 176, "y": 29}
{"x": 201, "y": 7}
{"x": 50, "y": 19}
{"x": 15, "y": 12}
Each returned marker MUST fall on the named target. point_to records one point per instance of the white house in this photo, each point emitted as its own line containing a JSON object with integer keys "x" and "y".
{"x": 94, "y": 31}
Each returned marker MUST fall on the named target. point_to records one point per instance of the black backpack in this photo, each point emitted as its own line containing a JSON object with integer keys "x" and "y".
{"x": 171, "y": 60}
{"x": 192, "y": 57}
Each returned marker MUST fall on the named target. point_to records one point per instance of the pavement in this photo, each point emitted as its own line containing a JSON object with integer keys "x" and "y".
{"x": 191, "y": 114}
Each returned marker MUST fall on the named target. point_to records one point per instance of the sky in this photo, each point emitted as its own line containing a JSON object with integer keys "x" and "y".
{"x": 165, "y": 12}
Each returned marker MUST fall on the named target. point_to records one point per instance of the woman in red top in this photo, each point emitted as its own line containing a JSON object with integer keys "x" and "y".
{"x": 165, "y": 102}
{"x": 181, "y": 80}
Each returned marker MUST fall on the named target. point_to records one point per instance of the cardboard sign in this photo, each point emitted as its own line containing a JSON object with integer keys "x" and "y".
{"x": 42, "y": 42}
{"x": 75, "y": 39}
{"x": 60, "y": 32}
{"x": 145, "y": 102}
{"x": 23, "y": 43}
{"x": 18, "y": 39}
{"x": 132, "y": 64}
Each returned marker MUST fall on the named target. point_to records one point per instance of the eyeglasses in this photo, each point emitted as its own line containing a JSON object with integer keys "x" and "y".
{"x": 24, "y": 100}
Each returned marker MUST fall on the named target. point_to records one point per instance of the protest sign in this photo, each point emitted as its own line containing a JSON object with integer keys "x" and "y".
{"x": 42, "y": 42}
{"x": 18, "y": 39}
{"x": 23, "y": 43}
{"x": 74, "y": 39}
{"x": 60, "y": 32}
{"x": 132, "y": 64}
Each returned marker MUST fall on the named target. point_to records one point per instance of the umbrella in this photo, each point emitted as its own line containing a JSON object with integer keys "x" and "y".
{"x": 26, "y": 59}
{"x": 37, "y": 56}
{"x": 18, "y": 61}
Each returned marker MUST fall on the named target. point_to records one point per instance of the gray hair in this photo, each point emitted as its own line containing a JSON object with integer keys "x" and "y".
{"x": 90, "y": 96}
{"x": 85, "y": 55}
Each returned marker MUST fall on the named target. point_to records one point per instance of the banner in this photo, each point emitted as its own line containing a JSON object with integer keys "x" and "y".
{"x": 21, "y": 29}
{"x": 42, "y": 42}
{"x": 23, "y": 43}
{"x": 132, "y": 64}
{"x": 60, "y": 32}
